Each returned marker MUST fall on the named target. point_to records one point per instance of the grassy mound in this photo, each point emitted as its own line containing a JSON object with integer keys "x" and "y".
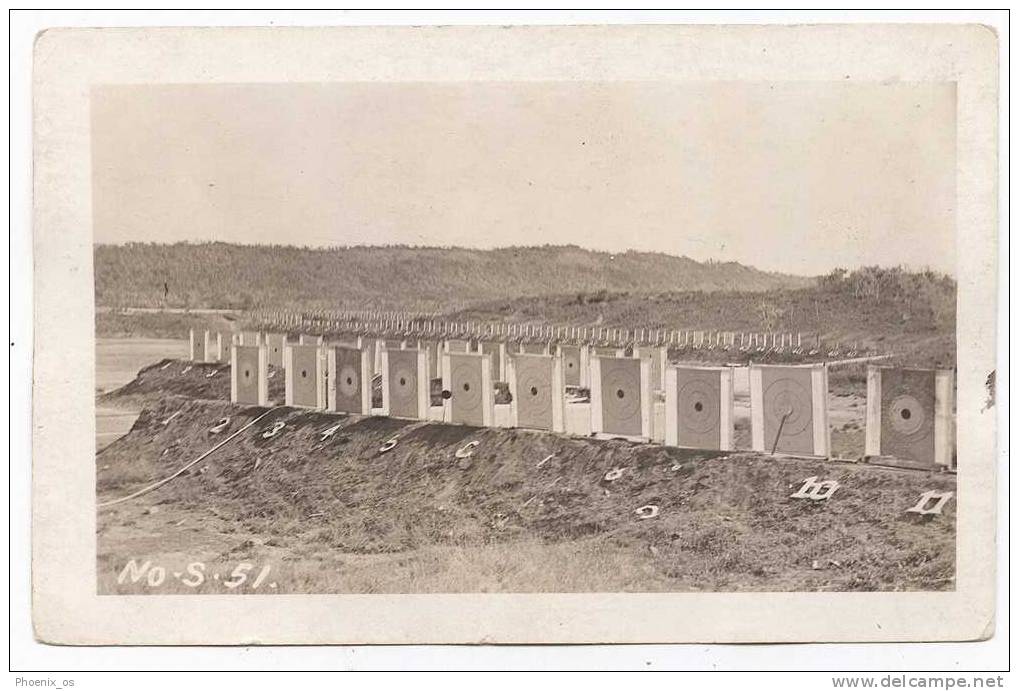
{"x": 526, "y": 511}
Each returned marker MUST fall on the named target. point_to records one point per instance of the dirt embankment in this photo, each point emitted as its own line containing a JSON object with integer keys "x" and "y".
{"x": 525, "y": 511}
{"x": 207, "y": 381}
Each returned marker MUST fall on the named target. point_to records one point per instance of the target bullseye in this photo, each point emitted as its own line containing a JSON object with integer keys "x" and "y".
{"x": 907, "y": 416}
{"x": 348, "y": 380}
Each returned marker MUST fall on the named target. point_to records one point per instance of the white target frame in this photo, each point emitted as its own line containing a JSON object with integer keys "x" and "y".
{"x": 423, "y": 384}
{"x": 487, "y": 390}
{"x": 213, "y": 347}
{"x": 502, "y": 373}
{"x": 819, "y": 408}
{"x": 366, "y": 379}
{"x": 272, "y": 339}
{"x": 943, "y": 417}
{"x": 646, "y": 404}
{"x": 658, "y": 354}
{"x": 726, "y": 408}
{"x": 558, "y": 396}
{"x": 583, "y": 364}
{"x": 193, "y": 354}
{"x": 433, "y": 351}
{"x": 262, "y": 374}
{"x": 378, "y": 347}
{"x": 288, "y": 373}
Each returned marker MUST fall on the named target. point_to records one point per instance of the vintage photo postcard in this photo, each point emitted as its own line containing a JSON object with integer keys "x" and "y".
{"x": 515, "y": 334}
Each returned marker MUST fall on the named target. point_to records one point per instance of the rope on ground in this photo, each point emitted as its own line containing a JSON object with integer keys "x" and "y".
{"x": 182, "y": 469}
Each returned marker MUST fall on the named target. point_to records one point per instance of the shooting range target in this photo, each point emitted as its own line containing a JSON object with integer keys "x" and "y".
{"x": 622, "y": 386}
{"x": 348, "y": 373}
{"x": 700, "y": 413}
{"x": 348, "y": 382}
{"x": 277, "y": 344}
{"x": 537, "y": 395}
{"x": 249, "y": 375}
{"x": 305, "y": 376}
{"x": 699, "y": 407}
{"x": 908, "y": 419}
{"x": 699, "y": 403}
{"x": 571, "y": 365}
{"x": 465, "y": 377}
{"x": 789, "y": 409}
{"x": 909, "y": 414}
{"x": 404, "y": 375}
{"x": 470, "y": 389}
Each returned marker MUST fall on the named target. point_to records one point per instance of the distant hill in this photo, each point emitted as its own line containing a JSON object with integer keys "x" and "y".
{"x": 396, "y": 277}
{"x": 886, "y": 310}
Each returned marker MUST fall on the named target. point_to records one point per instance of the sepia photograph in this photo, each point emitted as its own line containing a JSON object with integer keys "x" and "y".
{"x": 509, "y": 337}
{"x": 515, "y": 334}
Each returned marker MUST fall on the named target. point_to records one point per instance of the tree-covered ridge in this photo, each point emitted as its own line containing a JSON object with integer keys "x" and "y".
{"x": 393, "y": 277}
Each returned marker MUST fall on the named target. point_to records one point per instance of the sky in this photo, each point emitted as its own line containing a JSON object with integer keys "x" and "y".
{"x": 798, "y": 177}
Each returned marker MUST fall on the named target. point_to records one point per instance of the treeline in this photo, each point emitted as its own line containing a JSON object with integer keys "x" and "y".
{"x": 222, "y": 275}
{"x": 925, "y": 296}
